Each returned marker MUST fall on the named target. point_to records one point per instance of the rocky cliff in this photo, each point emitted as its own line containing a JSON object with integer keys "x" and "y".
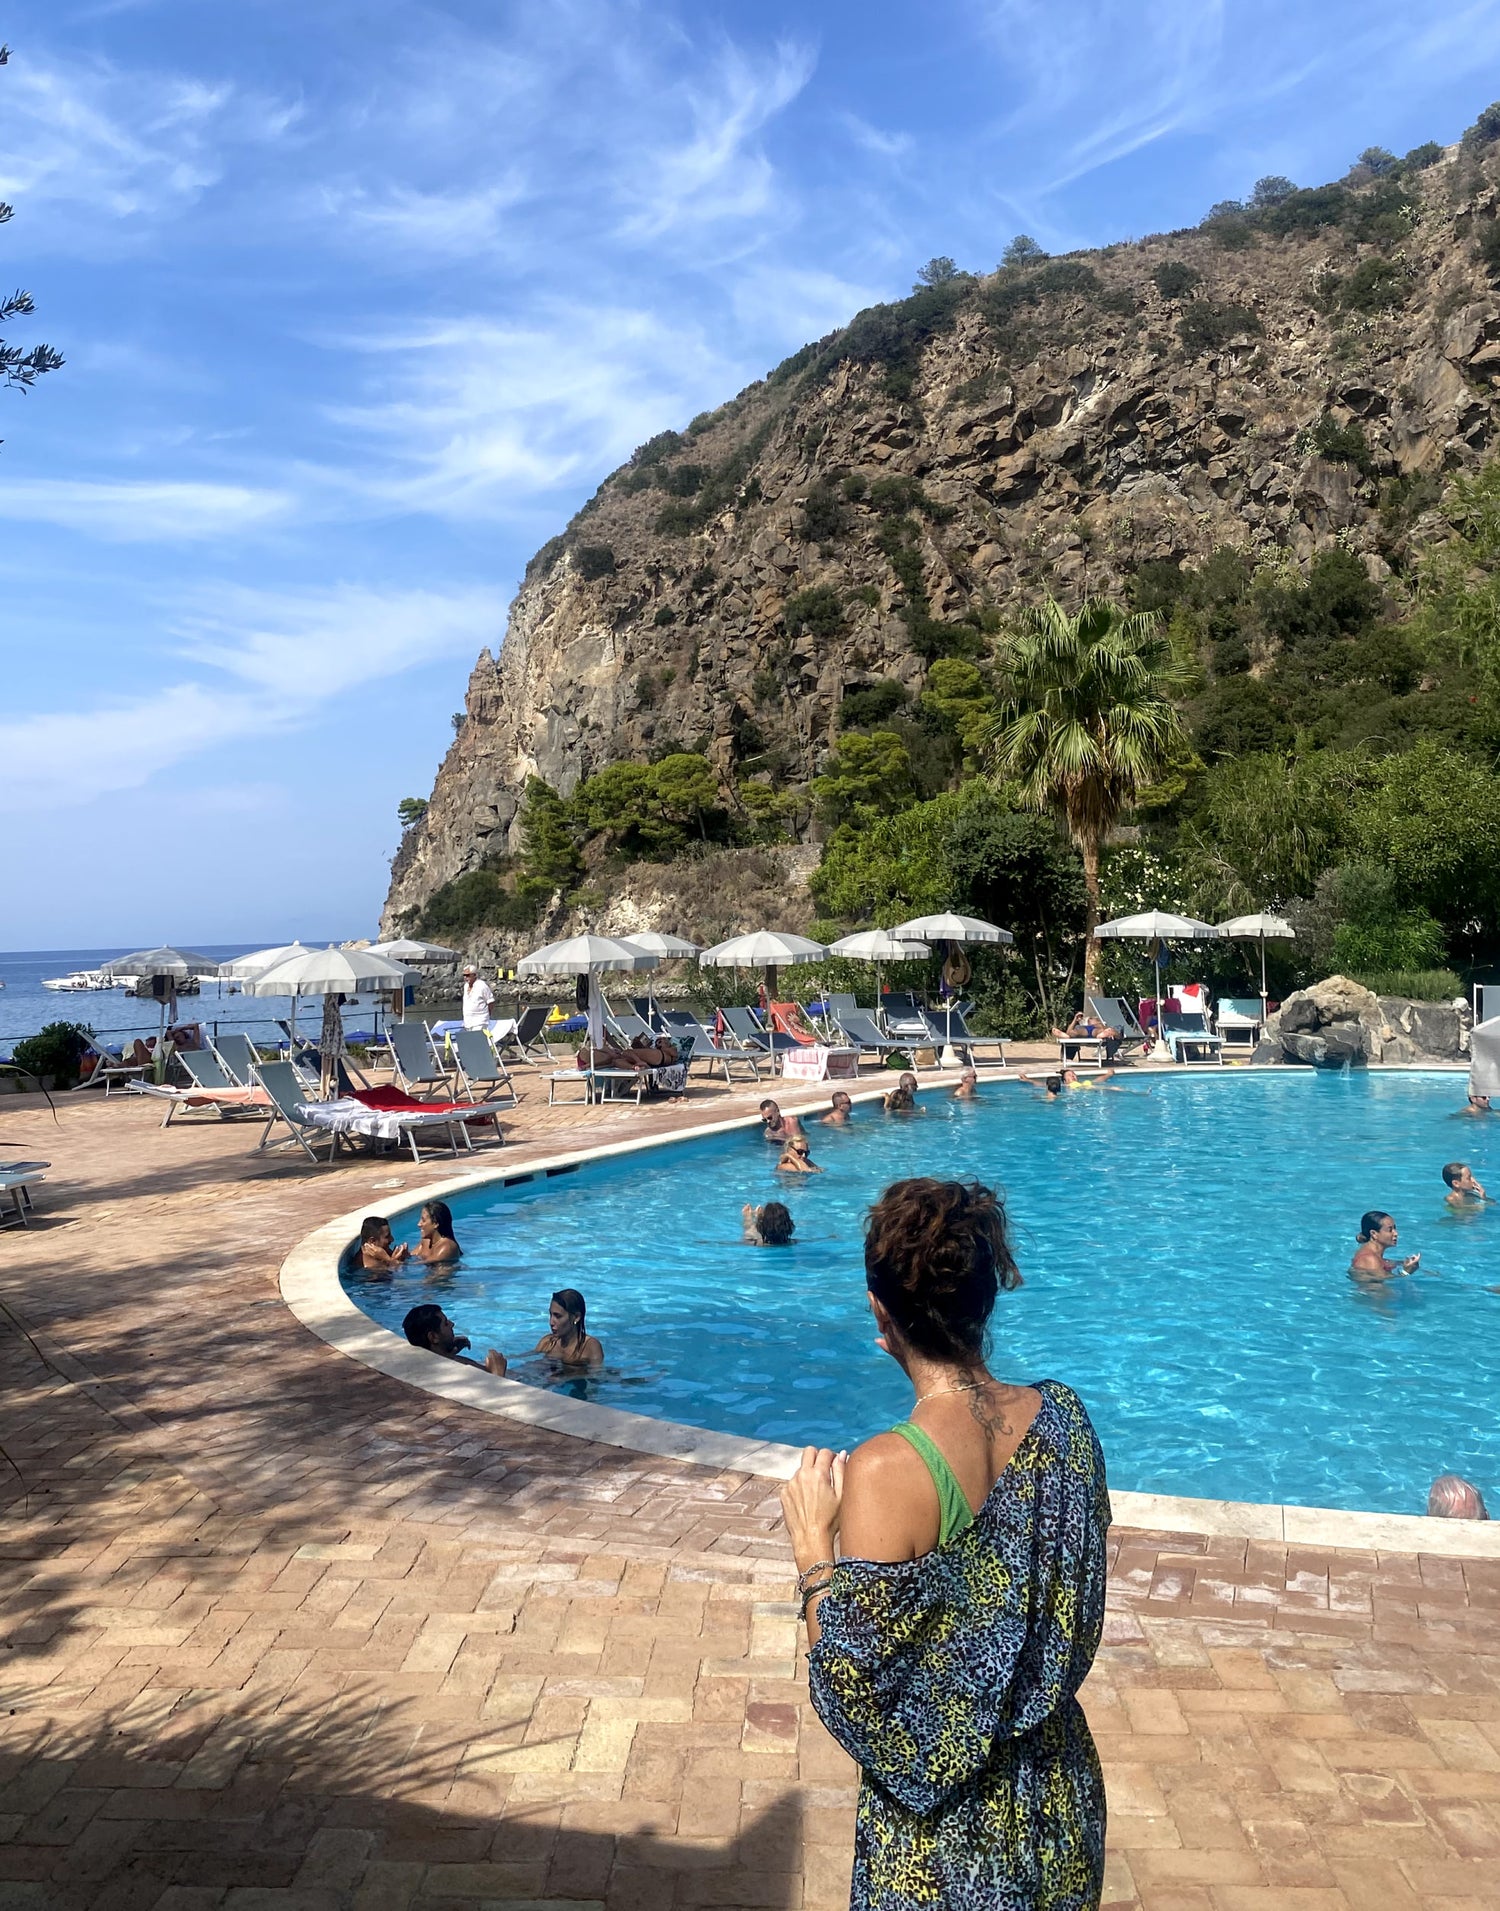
{"x": 885, "y": 495}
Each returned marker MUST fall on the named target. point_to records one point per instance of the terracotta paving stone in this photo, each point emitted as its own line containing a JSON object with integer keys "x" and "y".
{"x": 280, "y": 1634}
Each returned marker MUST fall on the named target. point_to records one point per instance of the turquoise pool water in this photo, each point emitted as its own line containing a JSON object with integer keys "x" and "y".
{"x": 1184, "y": 1244}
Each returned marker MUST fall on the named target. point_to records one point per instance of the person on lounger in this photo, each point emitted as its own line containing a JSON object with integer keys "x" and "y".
{"x": 428, "y": 1326}
{"x": 1085, "y": 1028}
{"x": 567, "y": 1340}
{"x": 437, "y": 1246}
{"x": 796, "y": 1156}
{"x": 1377, "y": 1234}
{"x": 770, "y": 1225}
{"x": 378, "y": 1252}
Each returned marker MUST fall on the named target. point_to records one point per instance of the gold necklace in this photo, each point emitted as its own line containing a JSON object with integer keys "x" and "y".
{"x": 977, "y": 1386}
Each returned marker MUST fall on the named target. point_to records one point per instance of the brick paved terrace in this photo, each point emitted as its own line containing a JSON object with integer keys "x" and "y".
{"x": 282, "y": 1634}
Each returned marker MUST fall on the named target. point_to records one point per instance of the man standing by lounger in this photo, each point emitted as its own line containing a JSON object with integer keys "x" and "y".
{"x": 478, "y": 998}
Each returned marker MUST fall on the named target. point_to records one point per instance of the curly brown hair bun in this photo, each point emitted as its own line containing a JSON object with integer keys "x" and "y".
{"x": 936, "y": 1256}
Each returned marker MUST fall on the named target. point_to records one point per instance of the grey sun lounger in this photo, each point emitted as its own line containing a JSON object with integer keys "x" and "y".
{"x": 526, "y": 1037}
{"x": 420, "y": 1069}
{"x": 749, "y": 1033}
{"x": 239, "y": 1056}
{"x": 951, "y": 1029}
{"x": 110, "y": 1069}
{"x": 857, "y": 1026}
{"x": 706, "y": 1049}
{"x": 310, "y": 1122}
{"x": 906, "y": 1020}
{"x": 481, "y": 1073}
{"x": 1183, "y": 1029}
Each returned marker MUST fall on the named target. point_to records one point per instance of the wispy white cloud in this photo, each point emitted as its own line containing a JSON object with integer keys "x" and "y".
{"x": 261, "y": 662}
{"x": 141, "y": 511}
{"x": 418, "y": 224}
{"x": 872, "y": 139}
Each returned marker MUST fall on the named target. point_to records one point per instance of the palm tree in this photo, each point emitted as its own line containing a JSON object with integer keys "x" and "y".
{"x": 1085, "y": 722}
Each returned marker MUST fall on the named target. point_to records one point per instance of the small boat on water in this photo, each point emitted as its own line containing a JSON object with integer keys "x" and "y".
{"x": 80, "y": 980}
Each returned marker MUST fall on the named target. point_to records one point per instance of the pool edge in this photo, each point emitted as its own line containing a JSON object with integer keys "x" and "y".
{"x": 310, "y": 1287}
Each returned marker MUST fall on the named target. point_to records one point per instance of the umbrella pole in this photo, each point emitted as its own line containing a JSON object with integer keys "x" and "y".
{"x": 1264, "y": 997}
{"x": 596, "y": 1011}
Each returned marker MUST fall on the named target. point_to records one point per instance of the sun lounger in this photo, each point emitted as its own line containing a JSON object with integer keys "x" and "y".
{"x": 390, "y": 1100}
{"x": 745, "y": 1027}
{"x": 16, "y": 1184}
{"x": 600, "y": 1084}
{"x": 950, "y": 1028}
{"x": 1185, "y": 1029}
{"x": 649, "y": 1012}
{"x": 482, "y": 1075}
{"x": 1239, "y": 1020}
{"x": 628, "y": 1025}
{"x": 906, "y": 1020}
{"x": 239, "y": 1057}
{"x": 857, "y": 1026}
{"x": 110, "y": 1070}
{"x": 420, "y": 1069}
{"x": 310, "y": 1122}
{"x": 524, "y": 1042}
{"x": 729, "y": 1056}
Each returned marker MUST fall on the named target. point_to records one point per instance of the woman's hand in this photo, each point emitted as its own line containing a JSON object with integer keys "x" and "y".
{"x": 810, "y": 1505}
{"x": 1411, "y": 1263}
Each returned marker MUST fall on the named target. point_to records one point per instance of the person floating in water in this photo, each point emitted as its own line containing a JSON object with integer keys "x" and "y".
{"x": 428, "y": 1326}
{"x": 838, "y": 1115}
{"x": 1377, "y": 1234}
{"x": 796, "y": 1156}
{"x": 967, "y": 1088}
{"x": 437, "y": 1245}
{"x": 378, "y": 1252}
{"x": 567, "y": 1339}
{"x": 1463, "y": 1190}
{"x": 770, "y": 1225}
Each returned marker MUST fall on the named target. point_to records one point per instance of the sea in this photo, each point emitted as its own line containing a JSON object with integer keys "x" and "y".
{"x": 26, "y": 1007}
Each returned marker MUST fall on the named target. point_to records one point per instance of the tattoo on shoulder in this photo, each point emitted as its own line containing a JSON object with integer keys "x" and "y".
{"x": 991, "y": 1410}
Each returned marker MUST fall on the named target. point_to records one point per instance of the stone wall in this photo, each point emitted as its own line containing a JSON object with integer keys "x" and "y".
{"x": 1338, "y": 1022}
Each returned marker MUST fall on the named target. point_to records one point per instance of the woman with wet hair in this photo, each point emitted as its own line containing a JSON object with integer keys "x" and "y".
{"x": 567, "y": 1339}
{"x": 437, "y": 1245}
{"x": 769, "y": 1225}
{"x": 951, "y": 1574}
{"x": 1377, "y": 1233}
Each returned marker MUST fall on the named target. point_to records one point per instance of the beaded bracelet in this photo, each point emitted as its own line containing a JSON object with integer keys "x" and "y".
{"x": 816, "y": 1567}
{"x": 812, "y": 1593}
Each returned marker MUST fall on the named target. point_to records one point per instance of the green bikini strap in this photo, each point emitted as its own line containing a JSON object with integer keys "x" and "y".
{"x": 954, "y": 1511}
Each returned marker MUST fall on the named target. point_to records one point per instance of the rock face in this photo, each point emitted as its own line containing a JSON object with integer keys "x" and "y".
{"x": 1109, "y": 424}
{"x": 1340, "y": 1023}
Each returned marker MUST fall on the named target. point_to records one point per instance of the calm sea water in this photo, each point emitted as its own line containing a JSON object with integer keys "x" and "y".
{"x": 1184, "y": 1244}
{"x": 25, "y": 1006}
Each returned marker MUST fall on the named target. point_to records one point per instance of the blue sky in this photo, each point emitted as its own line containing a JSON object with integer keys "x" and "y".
{"x": 360, "y": 300}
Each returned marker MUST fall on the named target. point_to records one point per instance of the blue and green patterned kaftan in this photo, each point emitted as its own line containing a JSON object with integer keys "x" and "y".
{"x": 951, "y": 1679}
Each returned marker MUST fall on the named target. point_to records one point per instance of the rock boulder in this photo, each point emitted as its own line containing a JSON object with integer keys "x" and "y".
{"x": 1339, "y": 1022}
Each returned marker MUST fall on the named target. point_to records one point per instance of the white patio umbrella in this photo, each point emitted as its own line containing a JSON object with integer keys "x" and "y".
{"x": 327, "y": 971}
{"x": 946, "y": 927}
{"x": 877, "y": 946}
{"x": 404, "y": 949}
{"x": 1157, "y": 926}
{"x": 1261, "y": 928}
{"x": 669, "y": 948}
{"x": 246, "y": 968}
{"x": 768, "y": 949}
{"x": 1484, "y": 1058}
{"x": 147, "y": 964}
{"x": 592, "y": 956}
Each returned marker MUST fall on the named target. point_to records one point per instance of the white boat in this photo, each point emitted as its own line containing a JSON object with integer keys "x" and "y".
{"x": 80, "y": 980}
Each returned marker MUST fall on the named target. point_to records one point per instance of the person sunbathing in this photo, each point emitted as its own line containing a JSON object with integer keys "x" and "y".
{"x": 770, "y": 1225}
{"x": 1463, "y": 1190}
{"x": 1377, "y": 1233}
{"x": 437, "y": 1246}
{"x": 796, "y": 1157}
{"x": 642, "y": 1053}
{"x": 968, "y": 1086}
{"x": 429, "y": 1327}
{"x": 567, "y": 1340}
{"x": 1085, "y": 1028}
{"x": 838, "y": 1115}
{"x": 378, "y": 1252}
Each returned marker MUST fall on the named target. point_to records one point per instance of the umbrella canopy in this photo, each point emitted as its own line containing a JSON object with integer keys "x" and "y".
{"x": 1157, "y": 925}
{"x": 1258, "y": 928}
{"x": 1484, "y": 1064}
{"x": 659, "y": 944}
{"x": 246, "y": 967}
{"x": 404, "y": 949}
{"x": 950, "y": 928}
{"x": 177, "y": 963}
{"x": 762, "y": 949}
{"x": 879, "y": 945}
{"x": 586, "y": 955}
{"x": 328, "y": 971}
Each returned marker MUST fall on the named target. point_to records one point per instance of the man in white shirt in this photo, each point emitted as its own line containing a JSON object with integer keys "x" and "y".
{"x": 478, "y": 995}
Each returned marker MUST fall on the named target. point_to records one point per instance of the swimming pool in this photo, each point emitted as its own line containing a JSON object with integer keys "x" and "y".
{"x": 1184, "y": 1242}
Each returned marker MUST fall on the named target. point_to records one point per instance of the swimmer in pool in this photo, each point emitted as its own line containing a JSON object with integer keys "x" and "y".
{"x": 769, "y": 1225}
{"x": 1463, "y": 1190}
{"x": 1377, "y": 1233}
{"x": 1477, "y": 1105}
{"x": 428, "y": 1326}
{"x": 796, "y": 1157}
{"x": 1104, "y": 1079}
{"x": 1053, "y": 1085}
{"x": 838, "y": 1115}
{"x": 437, "y": 1246}
{"x": 968, "y": 1086}
{"x": 378, "y": 1252}
{"x": 901, "y": 1101}
{"x": 567, "y": 1339}
{"x": 775, "y": 1126}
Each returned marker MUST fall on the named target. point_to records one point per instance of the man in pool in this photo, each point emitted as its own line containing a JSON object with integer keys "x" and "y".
{"x": 1477, "y": 1105}
{"x": 428, "y": 1326}
{"x": 1463, "y": 1190}
{"x": 1377, "y": 1234}
{"x": 838, "y": 1115}
{"x": 378, "y": 1252}
{"x": 968, "y": 1086}
{"x": 775, "y": 1126}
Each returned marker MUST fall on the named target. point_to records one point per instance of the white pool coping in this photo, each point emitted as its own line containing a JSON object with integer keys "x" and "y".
{"x": 312, "y": 1289}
